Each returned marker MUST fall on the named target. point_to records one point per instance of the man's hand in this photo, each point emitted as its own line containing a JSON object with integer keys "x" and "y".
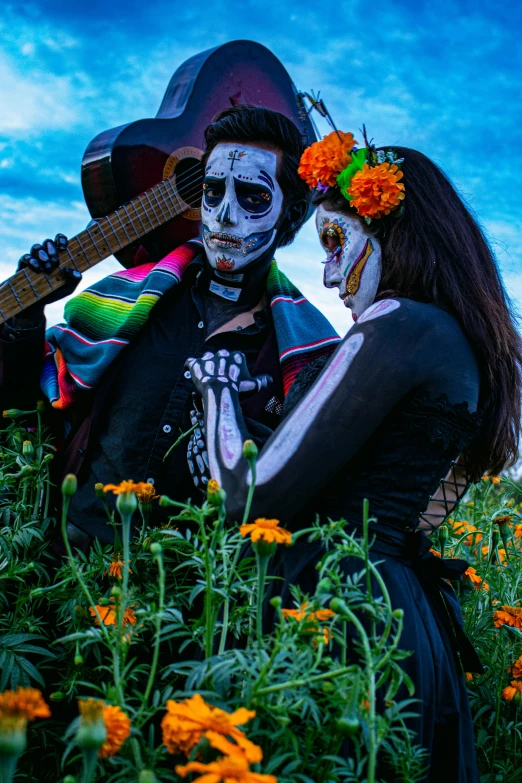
{"x": 225, "y": 368}
{"x": 43, "y": 259}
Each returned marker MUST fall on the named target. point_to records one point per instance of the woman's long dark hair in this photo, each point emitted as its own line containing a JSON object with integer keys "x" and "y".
{"x": 436, "y": 252}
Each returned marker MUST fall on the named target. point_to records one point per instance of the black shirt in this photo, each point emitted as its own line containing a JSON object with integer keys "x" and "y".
{"x": 148, "y": 402}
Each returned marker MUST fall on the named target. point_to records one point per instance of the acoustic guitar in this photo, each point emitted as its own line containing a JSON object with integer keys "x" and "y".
{"x": 142, "y": 182}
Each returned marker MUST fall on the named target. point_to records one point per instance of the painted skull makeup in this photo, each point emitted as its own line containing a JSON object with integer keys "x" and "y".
{"x": 242, "y": 203}
{"x": 353, "y": 262}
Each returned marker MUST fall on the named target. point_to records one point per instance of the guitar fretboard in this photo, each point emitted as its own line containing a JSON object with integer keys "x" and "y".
{"x": 98, "y": 241}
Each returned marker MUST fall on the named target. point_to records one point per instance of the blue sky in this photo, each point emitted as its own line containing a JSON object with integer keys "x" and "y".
{"x": 441, "y": 77}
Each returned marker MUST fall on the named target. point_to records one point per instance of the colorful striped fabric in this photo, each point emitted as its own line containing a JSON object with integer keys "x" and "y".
{"x": 103, "y": 319}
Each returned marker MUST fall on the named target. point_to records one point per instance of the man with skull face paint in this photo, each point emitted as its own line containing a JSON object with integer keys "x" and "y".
{"x": 254, "y": 202}
{"x": 398, "y": 407}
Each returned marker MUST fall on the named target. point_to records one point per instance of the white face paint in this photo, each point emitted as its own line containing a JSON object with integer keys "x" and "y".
{"x": 242, "y": 202}
{"x": 353, "y": 260}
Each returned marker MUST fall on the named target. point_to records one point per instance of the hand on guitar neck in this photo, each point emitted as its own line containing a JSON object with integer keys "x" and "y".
{"x": 43, "y": 259}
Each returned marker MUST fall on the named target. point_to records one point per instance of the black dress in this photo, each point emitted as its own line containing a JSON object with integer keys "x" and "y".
{"x": 398, "y": 468}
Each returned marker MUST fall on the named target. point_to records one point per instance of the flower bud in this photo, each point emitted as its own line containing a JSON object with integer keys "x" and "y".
{"x": 78, "y": 660}
{"x": 69, "y": 485}
{"x": 215, "y": 495}
{"x": 27, "y": 449}
{"x": 348, "y": 725}
{"x": 40, "y": 406}
{"x": 155, "y": 549}
{"x": 338, "y": 606}
{"x": 70, "y": 779}
{"x": 146, "y": 545}
{"x": 26, "y": 471}
{"x": 104, "y": 601}
{"x": 98, "y": 488}
{"x": 147, "y": 776}
{"x": 517, "y": 698}
{"x": 276, "y": 602}
{"x": 398, "y": 614}
{"x": 127, "y": 504}
{"x": 328, "y": 687}
{"x": 91, "y": 733}
{"x": 264, "y": 548}
{"x": 13, "y": 413}
{"x": 57, "y": 696}
{"x": 115, "y": 592}
{"x": 250, "y": 450}
{"x": 443, "y": 533}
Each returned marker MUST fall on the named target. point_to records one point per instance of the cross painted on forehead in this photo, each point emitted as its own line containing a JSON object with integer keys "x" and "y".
{"x": 233, "y": 158}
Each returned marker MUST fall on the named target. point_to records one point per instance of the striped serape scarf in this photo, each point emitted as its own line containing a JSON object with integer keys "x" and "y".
{"x": 104, "y": 318}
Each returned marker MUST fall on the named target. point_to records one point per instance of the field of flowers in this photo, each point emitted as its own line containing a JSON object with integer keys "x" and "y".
{"x": 149, "y": 660}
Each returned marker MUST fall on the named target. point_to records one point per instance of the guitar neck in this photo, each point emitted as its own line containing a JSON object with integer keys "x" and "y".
{"x": 100, "y": 240}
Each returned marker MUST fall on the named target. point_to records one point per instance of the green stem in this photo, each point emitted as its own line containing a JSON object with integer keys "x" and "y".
{"x": 262, "y": 568}
{"x": 497, "y": 715}
{"x": 77, "y": 573}
{"x": 159, "y": 616}
{"x": 181, "y": 437}
{"x": 331, "y": 675}
{"x": 90, "y": 760}
{"x": 250, "y": 496}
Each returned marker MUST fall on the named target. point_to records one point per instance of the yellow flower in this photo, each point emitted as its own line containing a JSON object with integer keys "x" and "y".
{"x": 188, "y": 721}
{"x": 477, "y": 581}
{"x": 321, "y": 615}
{"x": 117, "y": 725}
{"x": 108, "y": 614}
{"x": 324, "y": 160}
{"x": 233, "y": 769}
{"x": 508, "y": 615}
{"x": 511, "y": 690}
{"x": 376, "y": 190}
{"x": 127, "y": 486}
{"x": 26, "y": 703}
{"x": 267, "y": 530}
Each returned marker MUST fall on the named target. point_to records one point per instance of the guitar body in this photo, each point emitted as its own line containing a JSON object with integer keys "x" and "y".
{"x": 121, "y": 163}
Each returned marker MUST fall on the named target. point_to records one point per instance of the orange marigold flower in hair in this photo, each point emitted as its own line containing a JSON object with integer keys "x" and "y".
{"x": 26, "y": 703}
{"x": 476, "y": 580}
{"x": 324, "y": 160}
{"x": 108, "y": 614}
{"x": 117, "y": 725}
{"x": 511, "y": 690}
{"x": 186, "y": 722}
{"x": 233, "y": 769}
{"x": 508, "y": 615}
{"x": 267, "y": 530}
{"x": 376, "y": 190}
{"x": 127, "y": 486}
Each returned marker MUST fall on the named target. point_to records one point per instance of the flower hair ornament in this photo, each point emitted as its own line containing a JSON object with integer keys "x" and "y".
{"x": 369, "y": 178}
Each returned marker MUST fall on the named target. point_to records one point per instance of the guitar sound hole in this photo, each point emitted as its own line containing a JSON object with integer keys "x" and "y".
{"x": 189, "y": 179}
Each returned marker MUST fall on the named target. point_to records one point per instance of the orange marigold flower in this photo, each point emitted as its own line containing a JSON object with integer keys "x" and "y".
{"x": 469, "y": 676}
{"x": 518, "y": 531}
{"x": 500, "y": 550}
{"x": 26, "y": 703}
{"x": 117, "y": 725}
{"x": 511, "y": 690}
{"x": 321, "y": 615}
{"x": 232, "y": 769}
{"x": 108, "y": 614}
{"x": 267, "y": 530}
{"x": 505, "y": 520}
{"x": 476, "y": 580}
{"x": 147, "y": 494}
{"x": 434, "y": 552}
{"x": 508, "y": 615}
{"x": 324, "y": 160}
{"x": 186, "y": 722}
{"x": 516, "y": 671}
{"x": 376, "y": 190}
{"x": 127, "y": 486}
{"x": 495, "y": 479}
{"x": 474, "y": 535}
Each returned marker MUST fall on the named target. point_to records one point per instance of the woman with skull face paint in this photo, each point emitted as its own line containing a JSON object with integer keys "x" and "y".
{"x": 425, "y": 385}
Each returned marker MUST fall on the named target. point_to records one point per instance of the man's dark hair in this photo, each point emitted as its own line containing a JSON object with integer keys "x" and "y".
{"x": 435, "y": 251}
{"x": 254, "y": 124}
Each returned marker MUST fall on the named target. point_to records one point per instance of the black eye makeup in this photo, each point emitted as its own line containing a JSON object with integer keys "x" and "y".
{"x": 213, "y": 191}
{"x": 253, "y": 197}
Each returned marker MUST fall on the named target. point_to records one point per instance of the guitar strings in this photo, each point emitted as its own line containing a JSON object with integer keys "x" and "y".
{"x": 91, "y": 244}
